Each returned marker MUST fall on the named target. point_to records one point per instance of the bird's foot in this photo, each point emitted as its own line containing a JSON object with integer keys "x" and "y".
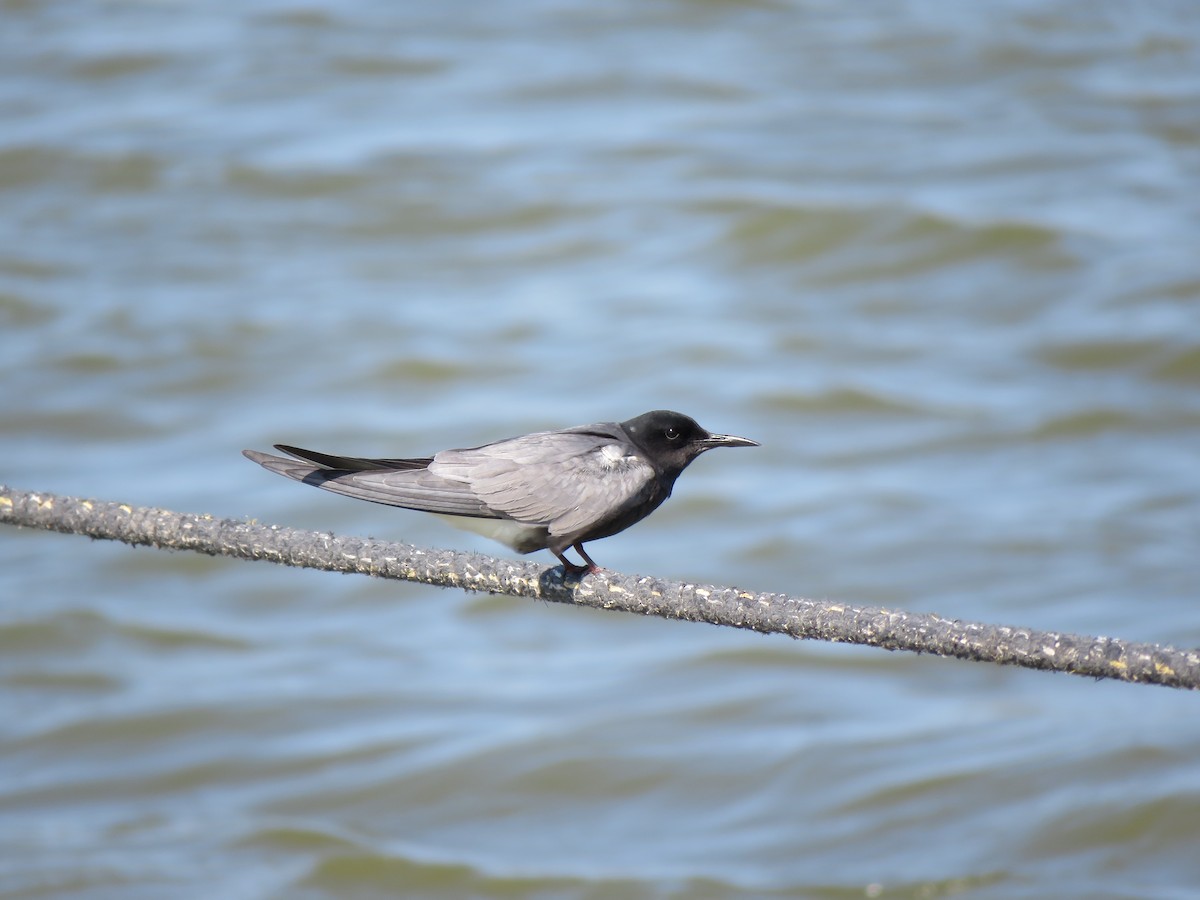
{"x": 573, "y": 571}
{"x": 591, "y": 566}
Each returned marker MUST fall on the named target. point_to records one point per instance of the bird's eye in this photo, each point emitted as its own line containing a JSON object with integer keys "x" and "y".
{"x": 672, "y": 433}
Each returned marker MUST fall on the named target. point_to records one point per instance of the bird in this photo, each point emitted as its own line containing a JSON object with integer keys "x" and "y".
{"x": 546, "y": 490}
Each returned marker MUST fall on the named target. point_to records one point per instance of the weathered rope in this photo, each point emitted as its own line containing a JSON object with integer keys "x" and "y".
{"x": 1094, "y": 657}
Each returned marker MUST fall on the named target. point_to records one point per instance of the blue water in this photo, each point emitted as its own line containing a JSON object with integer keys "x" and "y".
{"x": 939, "y": 260}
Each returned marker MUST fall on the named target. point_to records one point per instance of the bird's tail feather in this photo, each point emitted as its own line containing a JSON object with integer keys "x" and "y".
{"x": 414, "y": 488}
{"x": 353, "y": 463}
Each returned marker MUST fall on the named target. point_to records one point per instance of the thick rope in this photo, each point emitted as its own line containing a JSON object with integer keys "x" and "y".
{"x": 1095, "y": 657}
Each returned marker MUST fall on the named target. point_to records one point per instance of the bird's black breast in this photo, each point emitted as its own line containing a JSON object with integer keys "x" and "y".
{"x": 640, "y": 502}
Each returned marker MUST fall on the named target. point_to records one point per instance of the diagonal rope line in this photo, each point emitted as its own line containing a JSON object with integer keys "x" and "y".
{"x": 769, "y": 613}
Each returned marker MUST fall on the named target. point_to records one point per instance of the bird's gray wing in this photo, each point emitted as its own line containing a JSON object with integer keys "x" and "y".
{"x": 563, "y": 480}
{"x": 409, "y": 488}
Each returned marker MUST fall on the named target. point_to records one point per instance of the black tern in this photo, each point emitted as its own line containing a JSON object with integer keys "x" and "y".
{"x": 550, "y": 489}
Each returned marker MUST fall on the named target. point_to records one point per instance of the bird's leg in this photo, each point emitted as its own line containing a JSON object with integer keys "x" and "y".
{"x": 570, "y": 570}
{"x": 591, "y": 565}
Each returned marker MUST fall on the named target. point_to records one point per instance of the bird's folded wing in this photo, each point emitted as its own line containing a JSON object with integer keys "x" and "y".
{"x": 565, "y": 481}
{"x": 412, "y": 488}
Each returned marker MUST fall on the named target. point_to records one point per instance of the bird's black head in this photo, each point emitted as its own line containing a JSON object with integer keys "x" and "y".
{"x": 671, "y": 440}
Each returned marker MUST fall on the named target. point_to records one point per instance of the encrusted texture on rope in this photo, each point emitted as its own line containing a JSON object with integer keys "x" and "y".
{"x": 1096, "y": 657}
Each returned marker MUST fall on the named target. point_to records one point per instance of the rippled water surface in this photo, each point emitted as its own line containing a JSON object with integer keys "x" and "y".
{"x": 940, "y": 259}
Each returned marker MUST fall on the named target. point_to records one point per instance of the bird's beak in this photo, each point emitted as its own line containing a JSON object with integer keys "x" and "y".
{"x": 727, "y": 440}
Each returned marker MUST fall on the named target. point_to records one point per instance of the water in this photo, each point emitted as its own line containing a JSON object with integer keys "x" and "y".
{"x": 940, "y": 260}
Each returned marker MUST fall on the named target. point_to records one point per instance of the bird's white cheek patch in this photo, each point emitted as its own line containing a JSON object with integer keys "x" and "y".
{"x": 615, "y": 457}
